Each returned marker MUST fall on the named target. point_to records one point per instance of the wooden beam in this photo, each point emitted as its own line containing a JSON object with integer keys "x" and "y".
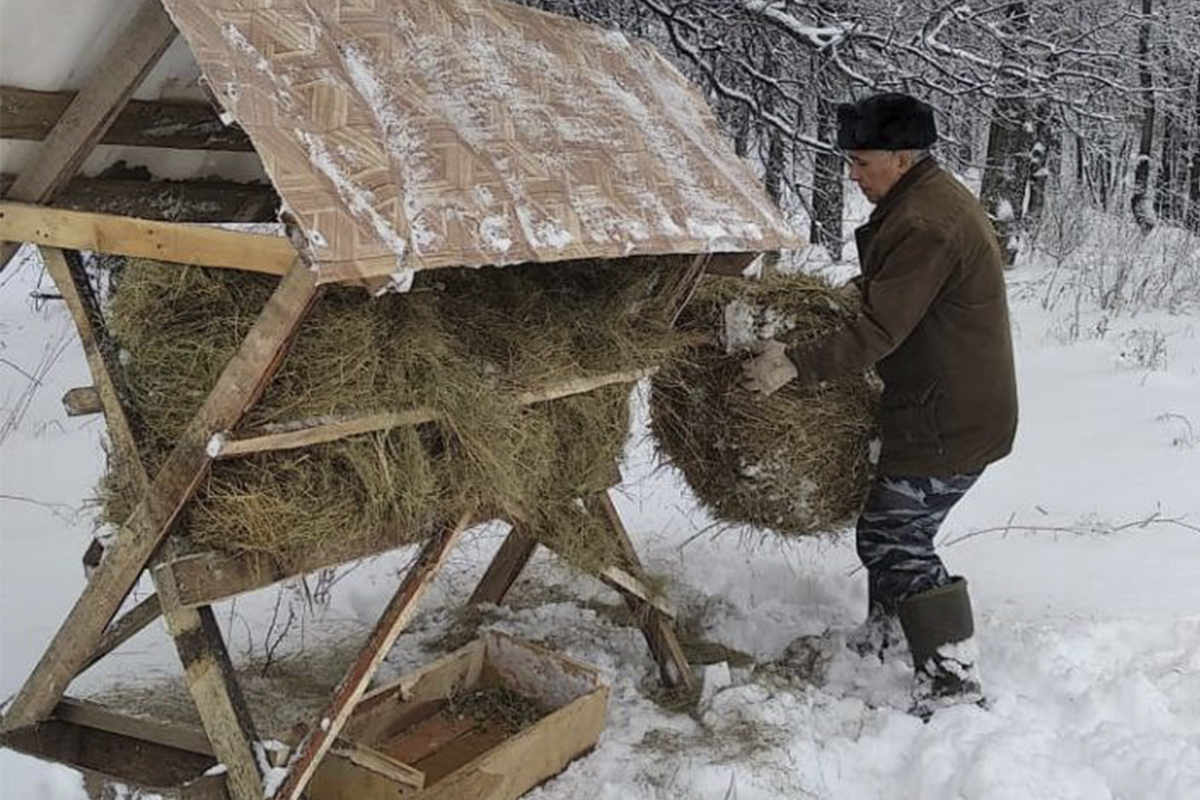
{"x": 656, "y": 626}
{"x": 133, "y": 622}
{"x": 395, "y": 617}
{"x": 85, "y": 311}
{"x": 306, "y": 434}
{"x": 730, "y": 264}
{"x": 505, "y": 568}
{"x": 128, "y": 236}
{"x": 94, "y": 109}
{"x": 82, "y": 401}
{"x": 239, "y": 386}
{"x": 93, "y": 715}
{"x": 628, "y": 585}
{"x": 30, "y": 115}
{"x": 168, "y": 201}
{"x": 218, "y": 697}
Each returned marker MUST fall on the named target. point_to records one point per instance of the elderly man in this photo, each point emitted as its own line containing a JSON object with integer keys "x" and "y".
{"x": 934, "y": 323}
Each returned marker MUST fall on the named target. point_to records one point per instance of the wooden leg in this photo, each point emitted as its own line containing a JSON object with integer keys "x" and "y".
{"x": 656, "y": 625}
{"x": 505, "y": 568}
{"x": 395, "y": 617}
{"x": 218, "y": 698}
{"x": 242, "y": 381}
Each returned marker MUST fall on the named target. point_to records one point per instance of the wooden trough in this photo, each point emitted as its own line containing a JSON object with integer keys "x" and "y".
{"x": 352, "y": 214}
{"x": 404, "y": 740}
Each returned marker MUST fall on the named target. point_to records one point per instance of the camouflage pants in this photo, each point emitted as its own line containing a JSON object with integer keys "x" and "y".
{"x": 895, "y": 534}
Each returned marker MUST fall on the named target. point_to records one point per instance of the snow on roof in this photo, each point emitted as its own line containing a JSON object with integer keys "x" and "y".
{"x": 412, "y": 134}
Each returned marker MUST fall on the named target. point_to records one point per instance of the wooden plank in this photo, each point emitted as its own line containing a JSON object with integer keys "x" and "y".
{"x": 240, "y": 384}
{"x": 125, "y": 628}
{"x": 730, "y": 264}
{"x": 94, "y": 109}
{"x": 656, "y": 627}
{"x": 114, "y": 765}
{"x": 354, "y": 772}
{"x": 85, "y": 311}
{"x": 530, "y": 757}
{"x": 505, "y": 568}
{"x": 218, "y": 697}
{"x": 128, "y": 236}
{"x": 30, "y": 115}
{"x": 304, "y": 434}
{"x": 170, "y": 201}
{"x": 82, "y": 401}
{"x": 627, "y": 584}
{"x": 167, "y": 734}
{"x": 352, "y": 687}
{"x": 426, "y": 737}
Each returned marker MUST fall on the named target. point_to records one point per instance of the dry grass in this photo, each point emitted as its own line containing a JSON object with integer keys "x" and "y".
{"x": 796, "y": 462}
{"x": 463, "y": 342}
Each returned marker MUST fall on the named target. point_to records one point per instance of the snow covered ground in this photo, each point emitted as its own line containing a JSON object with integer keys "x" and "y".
{"x": 1082, "y": 550}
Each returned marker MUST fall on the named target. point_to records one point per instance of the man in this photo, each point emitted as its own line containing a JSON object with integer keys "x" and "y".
{"x": 934, "y": 322}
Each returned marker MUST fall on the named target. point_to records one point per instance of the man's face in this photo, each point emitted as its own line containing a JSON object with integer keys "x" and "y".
{"x": 877, "y": 171}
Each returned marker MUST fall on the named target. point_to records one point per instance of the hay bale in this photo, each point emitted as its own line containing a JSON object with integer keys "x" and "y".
{"x": 796, "y": 462}
{"x": 463, "y": 342}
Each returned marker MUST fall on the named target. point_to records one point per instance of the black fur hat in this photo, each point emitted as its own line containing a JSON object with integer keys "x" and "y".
{"x": 886, "y": 122}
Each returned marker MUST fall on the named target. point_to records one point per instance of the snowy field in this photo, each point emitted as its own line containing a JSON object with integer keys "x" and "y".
{"x": 1082, "y": 548}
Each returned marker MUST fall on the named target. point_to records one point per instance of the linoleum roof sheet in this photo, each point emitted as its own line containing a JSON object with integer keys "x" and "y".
{"x": 414, "y": 134}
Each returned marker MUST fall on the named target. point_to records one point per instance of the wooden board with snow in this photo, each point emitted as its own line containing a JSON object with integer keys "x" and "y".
{"x": 406, "y": 134}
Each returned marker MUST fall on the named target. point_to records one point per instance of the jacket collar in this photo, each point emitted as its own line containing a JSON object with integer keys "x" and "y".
{"x": 903, "y": 186}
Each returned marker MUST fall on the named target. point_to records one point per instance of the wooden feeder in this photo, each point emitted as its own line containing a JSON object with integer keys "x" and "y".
{"x": 393, "y": 149}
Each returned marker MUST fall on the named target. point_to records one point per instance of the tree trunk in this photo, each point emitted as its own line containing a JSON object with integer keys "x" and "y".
{"x": 1044, "y": 164}
{"x": 1194, "y": 178}
{"x": 1140, "y": 201}
{"x": 1010, "y": 140}
{"x": 825, "y": 228}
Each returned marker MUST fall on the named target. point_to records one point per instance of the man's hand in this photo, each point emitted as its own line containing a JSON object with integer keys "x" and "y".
{"x": 769, "y": 369}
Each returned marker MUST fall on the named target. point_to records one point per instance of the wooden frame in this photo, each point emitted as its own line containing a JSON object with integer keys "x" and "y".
{"x": 187, "y": 584}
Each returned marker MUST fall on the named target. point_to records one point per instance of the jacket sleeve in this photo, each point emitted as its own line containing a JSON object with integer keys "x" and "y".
{"x": 894, "y": 300}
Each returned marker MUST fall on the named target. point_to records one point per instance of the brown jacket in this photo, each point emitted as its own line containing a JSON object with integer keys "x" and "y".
{"x": 934, "y": 322}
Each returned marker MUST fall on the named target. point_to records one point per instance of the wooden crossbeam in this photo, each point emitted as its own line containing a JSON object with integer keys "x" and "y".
{"x": 169, "y": 201}
{"x": 30, "y": 115}
{"x": 130, "y": 624}
{"x": 128, "y": 236}
{"x": 395, "y": 617}
{"x": 306, "y": 434}
{"x": 239, "y": 386}
{"x": 94, "y": 108}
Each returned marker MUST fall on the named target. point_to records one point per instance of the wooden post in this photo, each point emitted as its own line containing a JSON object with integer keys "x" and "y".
{"x": 505, "y": 568}
{"x": 94, "y": 108}
{"x": 395, "y": 617}
{"x": 656, "y": 626}
{"x": 242, "y": 381}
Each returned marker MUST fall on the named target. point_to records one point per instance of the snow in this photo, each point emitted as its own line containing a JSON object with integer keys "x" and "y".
{"x": 1081, "y": 551}
{"x": 1004, "y": 211}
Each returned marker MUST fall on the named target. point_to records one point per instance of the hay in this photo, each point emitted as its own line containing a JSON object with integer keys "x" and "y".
{"x": 796, "y": 462}
{"x": 463, "y": 342}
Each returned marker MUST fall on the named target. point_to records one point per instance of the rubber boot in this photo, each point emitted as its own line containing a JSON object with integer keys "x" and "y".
{"x": 938, "y": 626}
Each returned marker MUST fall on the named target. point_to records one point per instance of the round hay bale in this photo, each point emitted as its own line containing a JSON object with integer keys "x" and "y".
{"x": 796, "y": 462}
{"x": 462, "y": 342}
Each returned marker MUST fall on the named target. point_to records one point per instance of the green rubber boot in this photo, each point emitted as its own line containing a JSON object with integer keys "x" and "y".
{"x": 938, "y": 626}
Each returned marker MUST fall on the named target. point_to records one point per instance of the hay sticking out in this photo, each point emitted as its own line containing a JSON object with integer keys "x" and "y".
{"x": 463, "y": 342}
{"x": 795, "y": 462}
